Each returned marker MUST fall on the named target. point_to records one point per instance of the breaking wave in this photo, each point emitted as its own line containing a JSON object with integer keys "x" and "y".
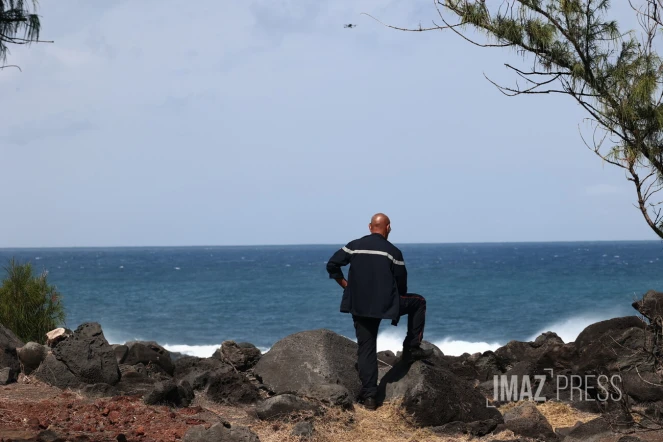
{"x": 392, "y": 339}
{"x": 569, "y": 329}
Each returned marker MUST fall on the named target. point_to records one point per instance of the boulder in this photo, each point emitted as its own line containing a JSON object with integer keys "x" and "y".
{"x": 549, "y": 358}
{"x": 186, "y": 393}
{"x": 55, "y": 373}
{"x": 612, "y": 346}
{"x": 7, "y": 376}
{"x": 303, "y": 359}
{"x": 31, "y": 355}
{"x": 134, "y": 382}
{"x": 437, "y": 353}
{"x": 517, "y": 351}
{"x": 477, "y": 428}
{"x": 526, "y": 420}
{"x": 488, "y": 365}
{"x": 650, "y": 306}
{"x": 330, "y": 394}
{"x": 153, "y": 371}
{"x": 175, "y": 355}
{"x": 595, "y": 430}
{"x": 433, "y": 395}
{"x": 617, "y": 414}
{"x": 558, "y": 357}
{"x": 231, "y": 388}
{"x": 49, "y": 436}
{"x": 198, "y": 371}
{"x": 221, "y": 432}
{"x": 9, "y": 342}
{"x": 242, "y": 358}
{"x": 547, "y": 338}
{"x": 426, "y": 345}
{"x": 147, "y": 352}
{"x": 88, "y": 355}
{"x": 121, "y": 352}
{"x": 562, "y": 432}
{"x": 642, "y": 386}
{"x": 521, "y": 374}
{"x": 598, "y": 330}
{"x": 282, "y": 406}
{"x": 302, "y": 429}
{"x": 462, "y": 366}
{"x": 170, "y": 393}
{"x": 387, "y": 357}
{"x": 57, "y": 335}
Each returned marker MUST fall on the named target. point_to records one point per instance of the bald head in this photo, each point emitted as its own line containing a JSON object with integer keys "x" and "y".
{"x": 381, "y": 224}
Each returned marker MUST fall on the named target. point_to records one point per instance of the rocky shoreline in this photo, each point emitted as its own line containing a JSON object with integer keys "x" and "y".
{"x": 79, "y": 387}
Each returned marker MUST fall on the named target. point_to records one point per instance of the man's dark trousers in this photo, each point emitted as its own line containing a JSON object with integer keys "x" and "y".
{"x": 412, "y": 305}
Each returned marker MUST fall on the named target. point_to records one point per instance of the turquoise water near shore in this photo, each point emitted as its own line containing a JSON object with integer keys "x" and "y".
{"x": 479, "y": 295}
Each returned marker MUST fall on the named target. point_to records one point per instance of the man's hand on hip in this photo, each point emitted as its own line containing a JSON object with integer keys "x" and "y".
{"x": 342, "y": 282}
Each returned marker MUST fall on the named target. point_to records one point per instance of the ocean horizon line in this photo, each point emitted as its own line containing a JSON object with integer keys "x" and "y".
{"x": 199, "y": 246}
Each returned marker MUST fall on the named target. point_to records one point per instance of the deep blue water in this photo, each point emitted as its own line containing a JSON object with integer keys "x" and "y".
{"x": 479, "y": 295}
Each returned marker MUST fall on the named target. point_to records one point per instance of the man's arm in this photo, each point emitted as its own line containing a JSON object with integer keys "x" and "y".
{"x": 339, "y": 259}
{"x": 400, "y": 273}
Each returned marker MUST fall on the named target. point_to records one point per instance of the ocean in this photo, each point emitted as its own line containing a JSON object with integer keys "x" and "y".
{"x": 479, "y": 296}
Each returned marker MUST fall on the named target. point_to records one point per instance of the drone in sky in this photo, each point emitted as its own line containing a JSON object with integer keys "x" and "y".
{"x": 350, "y": 26}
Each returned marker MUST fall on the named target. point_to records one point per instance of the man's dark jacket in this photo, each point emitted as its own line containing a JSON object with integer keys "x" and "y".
{"x": 376, "y": 278}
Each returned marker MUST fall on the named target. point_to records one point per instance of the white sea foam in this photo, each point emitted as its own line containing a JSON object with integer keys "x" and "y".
{"x": 201, "y": 351}
{"x": 452, "y": 347}
{"x": 569, "y": 329}
{"x": 393, "y": 340}
{"x": 118, "y": 338}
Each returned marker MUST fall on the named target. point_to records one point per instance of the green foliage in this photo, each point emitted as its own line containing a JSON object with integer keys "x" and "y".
{"x": 19, "y": 24}
{"x": 577, "y": 51}
{"x": 29, "y": 306}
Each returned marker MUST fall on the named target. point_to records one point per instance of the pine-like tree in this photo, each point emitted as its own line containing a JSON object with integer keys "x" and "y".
{"x": 576, "y": 50}
{"x": 19, "y": 24}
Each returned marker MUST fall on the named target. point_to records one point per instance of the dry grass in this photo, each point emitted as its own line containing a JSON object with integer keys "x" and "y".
{"x": 387, "y": 424}
{"x": 558, "y": 414}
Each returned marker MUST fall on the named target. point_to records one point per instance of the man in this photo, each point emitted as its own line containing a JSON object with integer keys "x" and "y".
{"x": 376, "y": 289}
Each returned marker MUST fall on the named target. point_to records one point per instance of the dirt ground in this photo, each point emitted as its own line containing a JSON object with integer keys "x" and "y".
{"x": 30, "y": 408}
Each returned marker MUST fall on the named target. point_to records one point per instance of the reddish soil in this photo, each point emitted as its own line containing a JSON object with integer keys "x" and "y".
{"x": 28, "y": 410}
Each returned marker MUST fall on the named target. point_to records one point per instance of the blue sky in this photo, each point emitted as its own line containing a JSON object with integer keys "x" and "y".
{"x": 267, "y": 122}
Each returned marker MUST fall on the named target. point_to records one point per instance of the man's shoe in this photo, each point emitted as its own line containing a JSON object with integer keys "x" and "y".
{"x": 412, "y": 354}
{"x": 370, "y": 403}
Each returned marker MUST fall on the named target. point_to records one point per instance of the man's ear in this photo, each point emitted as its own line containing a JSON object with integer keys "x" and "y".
{"x": 370, "y": 227}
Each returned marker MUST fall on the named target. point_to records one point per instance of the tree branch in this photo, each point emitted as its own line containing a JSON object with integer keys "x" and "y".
{"x": 403, "y": 29}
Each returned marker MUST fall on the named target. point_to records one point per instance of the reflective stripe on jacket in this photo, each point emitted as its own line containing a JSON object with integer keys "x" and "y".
{"x": 376, "y": 278}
